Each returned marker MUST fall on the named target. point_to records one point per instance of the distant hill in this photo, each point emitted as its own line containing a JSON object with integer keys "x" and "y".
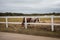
{"x": 21, "y": 14}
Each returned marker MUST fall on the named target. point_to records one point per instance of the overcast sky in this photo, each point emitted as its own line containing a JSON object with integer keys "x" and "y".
{"x": 30, "y": 6}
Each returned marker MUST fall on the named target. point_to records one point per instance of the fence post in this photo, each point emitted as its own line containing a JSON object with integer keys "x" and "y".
{"x": 25, "y": 23}
{"x": 39, "y": 20}
{"x": 6, "y": 22}
{"x": 52, "y": 23}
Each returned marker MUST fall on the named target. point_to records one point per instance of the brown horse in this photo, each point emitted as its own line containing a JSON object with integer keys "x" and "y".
{"x": 30, "y": 20}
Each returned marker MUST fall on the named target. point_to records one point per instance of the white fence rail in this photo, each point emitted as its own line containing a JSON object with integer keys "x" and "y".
{"x": 52, "y": 20}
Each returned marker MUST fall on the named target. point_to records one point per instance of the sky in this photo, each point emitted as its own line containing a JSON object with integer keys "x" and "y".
{"x": 30, "y": 6}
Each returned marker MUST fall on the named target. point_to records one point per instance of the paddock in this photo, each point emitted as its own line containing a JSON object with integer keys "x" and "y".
{"x": 43, "y": 20}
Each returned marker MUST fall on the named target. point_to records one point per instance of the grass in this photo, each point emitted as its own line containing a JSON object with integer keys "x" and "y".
{"x": 15, "y": 19}
{"x": 40, "y": 33}
{"x": 21, "y": 19}
{"x": 38, "y": 30}
{"x": 2, "y": 20}
{"x": 35, "y": 32}
{"x": 29, "y": 31}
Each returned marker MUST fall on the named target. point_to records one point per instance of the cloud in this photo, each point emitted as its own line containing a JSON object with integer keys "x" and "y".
{"x": 30, "y": 6}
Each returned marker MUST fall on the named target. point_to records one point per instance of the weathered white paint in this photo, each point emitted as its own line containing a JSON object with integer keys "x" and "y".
{"x": 6, "y": 22}
{"x": 52, "y": 23}
{"x": 25, "y": 23}
{"x": 29, "y": 16}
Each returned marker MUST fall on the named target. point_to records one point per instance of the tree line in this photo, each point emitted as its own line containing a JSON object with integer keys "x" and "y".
{"x": 22, "y": 14}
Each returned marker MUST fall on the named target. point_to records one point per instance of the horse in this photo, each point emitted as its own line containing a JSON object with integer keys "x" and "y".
{"x": 30, "y": 20}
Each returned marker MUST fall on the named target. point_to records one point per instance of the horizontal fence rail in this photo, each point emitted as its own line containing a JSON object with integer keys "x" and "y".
{"x": 26, "y": 23}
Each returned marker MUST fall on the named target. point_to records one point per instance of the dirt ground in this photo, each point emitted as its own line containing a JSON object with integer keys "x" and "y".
{"x": 14, "y": 36}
